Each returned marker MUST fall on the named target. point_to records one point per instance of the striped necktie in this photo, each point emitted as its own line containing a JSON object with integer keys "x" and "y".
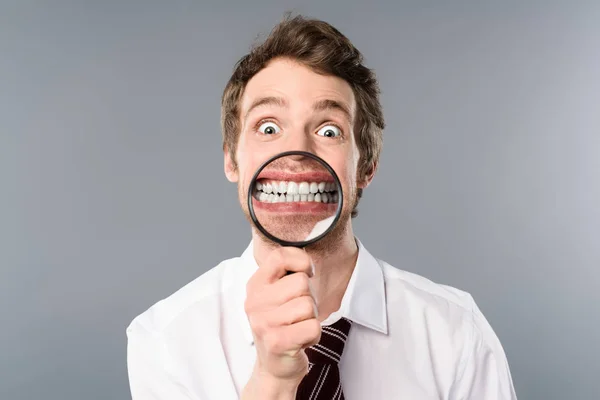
{"x": 323, "y": 379}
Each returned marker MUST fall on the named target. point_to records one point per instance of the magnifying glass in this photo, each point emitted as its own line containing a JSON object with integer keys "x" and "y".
{"x": 295, "y": 198}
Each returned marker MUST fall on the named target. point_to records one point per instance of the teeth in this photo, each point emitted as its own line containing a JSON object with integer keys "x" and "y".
{"x": 292, "y": 188}
{"x": 283, "y": 197}
{"x": 295, "y": 187}
{"x": 282, "y": 187}
{"x": 283, "y": 191}
{"x": 303, "y": 188}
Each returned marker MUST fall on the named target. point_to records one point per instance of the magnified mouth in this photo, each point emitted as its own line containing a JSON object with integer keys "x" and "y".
{"x": 300, "y": 191}
{"x": 282, "y": 187}
{"x": 268, "y": 191}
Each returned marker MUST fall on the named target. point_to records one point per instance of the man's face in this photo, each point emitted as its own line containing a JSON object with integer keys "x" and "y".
{"x": 287, "y": 106}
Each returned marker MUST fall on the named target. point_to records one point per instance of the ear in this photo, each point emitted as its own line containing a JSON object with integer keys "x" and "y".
{"x": 368, "y": 178}
{"x": 231, "y": 171}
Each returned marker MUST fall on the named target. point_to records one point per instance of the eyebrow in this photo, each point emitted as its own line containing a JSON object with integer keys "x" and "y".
{"x": 321, "y": 105}
{"x": 266, "y": 101}
{"x": 328, "y": 104}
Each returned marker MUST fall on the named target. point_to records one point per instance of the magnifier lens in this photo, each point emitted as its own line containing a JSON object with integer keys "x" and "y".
{"x": 295, "y": 198}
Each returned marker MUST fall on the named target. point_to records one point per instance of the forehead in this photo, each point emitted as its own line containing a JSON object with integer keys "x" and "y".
{"x": 298, "y": 85}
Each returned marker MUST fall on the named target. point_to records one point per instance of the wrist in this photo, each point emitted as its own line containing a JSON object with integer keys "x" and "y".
{"x": 265, "y": 386}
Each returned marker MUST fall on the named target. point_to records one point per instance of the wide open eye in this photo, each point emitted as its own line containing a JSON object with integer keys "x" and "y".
{"x": 331, "y": 131}
{"x": 269, "y": 128}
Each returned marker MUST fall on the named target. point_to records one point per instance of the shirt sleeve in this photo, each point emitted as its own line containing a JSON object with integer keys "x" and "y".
{"x": 485, "y": 372}
{"x": 148, "y": 367}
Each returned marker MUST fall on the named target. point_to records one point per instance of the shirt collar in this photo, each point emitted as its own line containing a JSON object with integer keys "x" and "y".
{"x": 363, "y": 303}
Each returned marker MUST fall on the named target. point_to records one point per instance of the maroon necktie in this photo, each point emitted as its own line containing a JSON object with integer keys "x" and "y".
{"x": 323, "y": 379}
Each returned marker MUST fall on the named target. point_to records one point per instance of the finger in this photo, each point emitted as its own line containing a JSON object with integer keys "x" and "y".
{"x": 272, "y": 296}
{"x": 295, "y": 310}
{"x": 302, "y": 334}
{"x": 279, "y": 262}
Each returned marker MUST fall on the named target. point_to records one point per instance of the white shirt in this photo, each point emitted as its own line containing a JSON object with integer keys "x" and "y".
{"x": 410, "y": 339}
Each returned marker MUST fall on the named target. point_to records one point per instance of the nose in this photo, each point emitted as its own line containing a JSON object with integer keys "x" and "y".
{"x": 299, "y": 141}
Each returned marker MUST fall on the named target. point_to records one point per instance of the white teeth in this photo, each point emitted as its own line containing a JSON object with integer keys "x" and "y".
{"x": 292, "y": 188}
{"x": 283, "y": 191}
{"x": 303, "y": 188}
{"x": 282, "y": 187}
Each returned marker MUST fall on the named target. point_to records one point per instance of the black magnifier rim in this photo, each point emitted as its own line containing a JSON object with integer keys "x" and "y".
{"x": 338, "y": 212}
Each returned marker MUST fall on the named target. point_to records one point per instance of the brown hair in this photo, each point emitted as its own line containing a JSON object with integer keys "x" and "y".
{"x": 325, "y": 50}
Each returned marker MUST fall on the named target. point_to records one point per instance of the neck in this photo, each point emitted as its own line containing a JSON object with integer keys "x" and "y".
{"x": 334, "y": 263}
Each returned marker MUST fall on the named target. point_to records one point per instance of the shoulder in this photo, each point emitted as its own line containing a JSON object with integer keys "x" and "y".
{"x": 443, "y": 313}
{"x": 436, "y": 309}
{"x": 422, "y": 290}
{"x": 203, "y": 292}
{"x": 448, "y": 327}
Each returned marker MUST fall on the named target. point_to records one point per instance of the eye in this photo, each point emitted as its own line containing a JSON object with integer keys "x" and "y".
{"x": 269, "y": 128}
{"x": 329, "y": 131}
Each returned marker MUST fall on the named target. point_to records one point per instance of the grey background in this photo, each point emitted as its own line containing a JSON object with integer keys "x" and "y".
{"x": 113, "y": 194}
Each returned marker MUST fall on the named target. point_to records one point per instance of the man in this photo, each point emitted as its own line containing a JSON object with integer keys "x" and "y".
{"x": 343, "y": 325}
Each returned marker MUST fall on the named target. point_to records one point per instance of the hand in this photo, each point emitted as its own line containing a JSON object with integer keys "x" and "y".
{"x": 283, "y": 315}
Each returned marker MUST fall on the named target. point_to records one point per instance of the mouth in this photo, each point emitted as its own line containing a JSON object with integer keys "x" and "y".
{"x": 314, "y": 192}
{"x": 294, "y": 192}
{"x": 281, "y": 187}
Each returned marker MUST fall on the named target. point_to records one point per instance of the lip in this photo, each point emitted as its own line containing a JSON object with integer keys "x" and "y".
{"x": 306, "y": 176}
